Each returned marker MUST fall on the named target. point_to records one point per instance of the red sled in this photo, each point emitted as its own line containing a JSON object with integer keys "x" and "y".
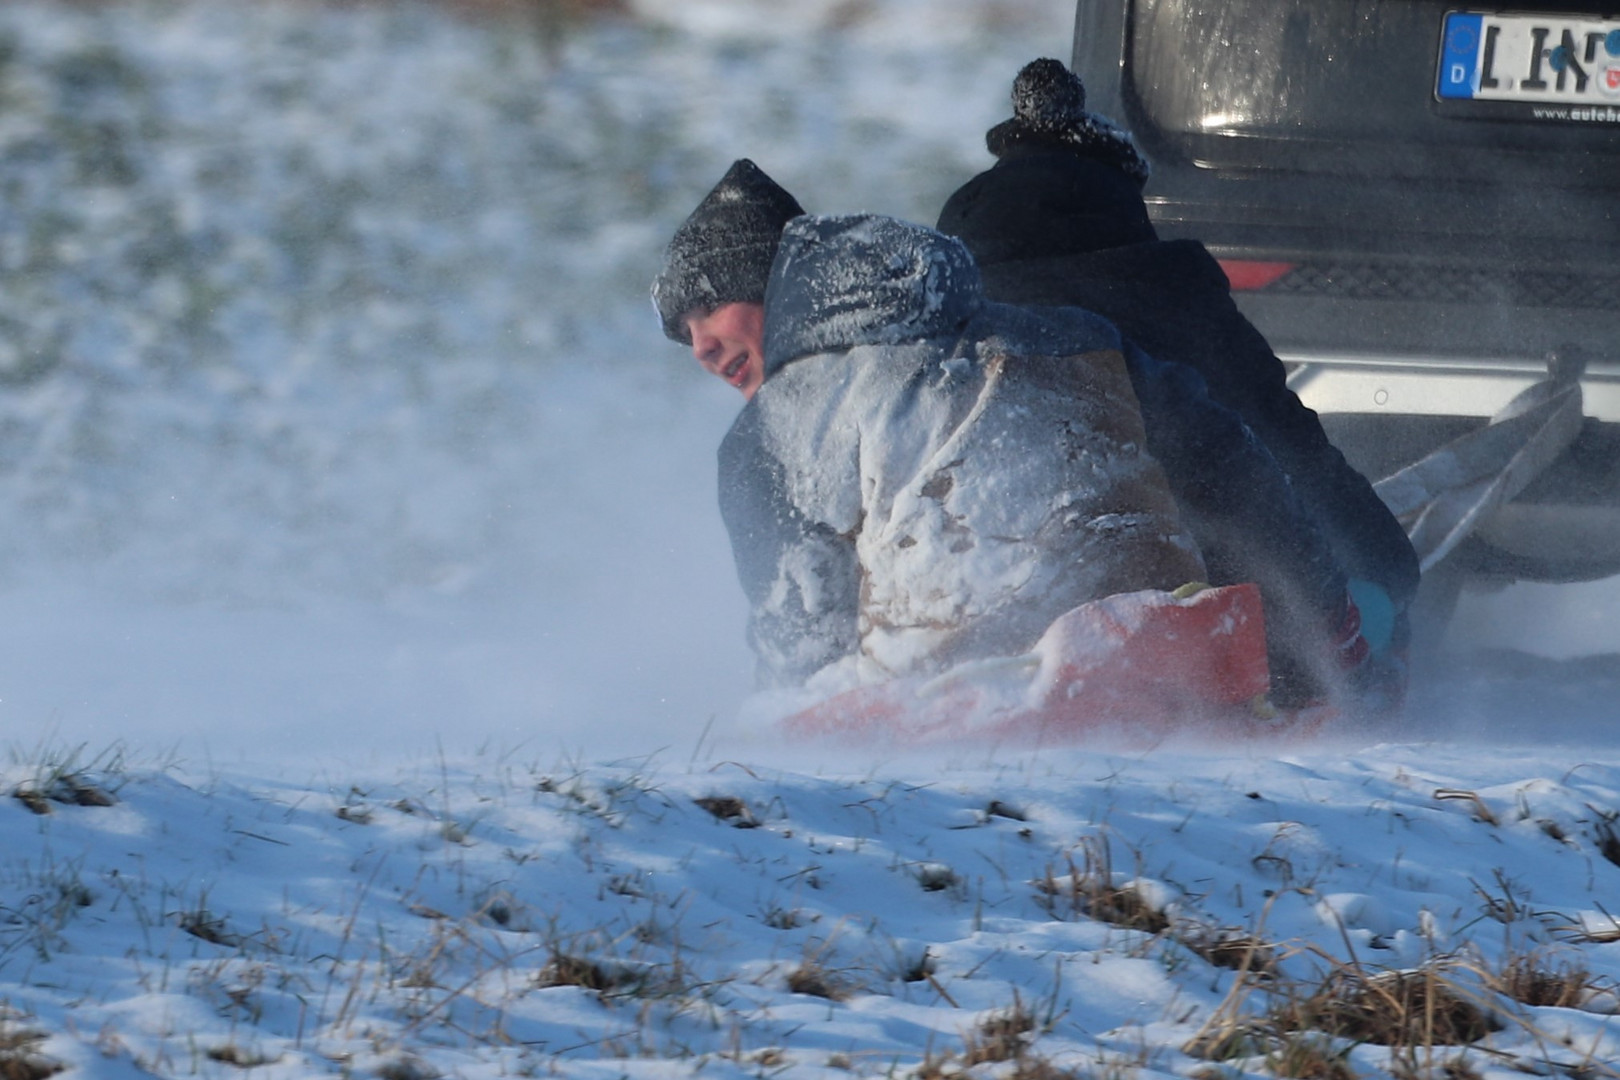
{"x": 1138, "y": 668}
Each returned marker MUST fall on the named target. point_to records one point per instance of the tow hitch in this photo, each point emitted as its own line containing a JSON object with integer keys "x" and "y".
{"x": 1443, "y": 497}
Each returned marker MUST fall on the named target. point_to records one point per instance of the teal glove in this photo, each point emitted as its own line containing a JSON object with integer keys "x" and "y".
{"x": 1377, "y": 614}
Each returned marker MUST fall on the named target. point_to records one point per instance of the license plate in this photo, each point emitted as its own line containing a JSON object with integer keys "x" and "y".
{"x": 1557, "y": 67}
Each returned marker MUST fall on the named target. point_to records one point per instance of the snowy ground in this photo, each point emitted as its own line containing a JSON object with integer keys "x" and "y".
{"x": 361, "y": 542}
{"x": 1398, "y": 910}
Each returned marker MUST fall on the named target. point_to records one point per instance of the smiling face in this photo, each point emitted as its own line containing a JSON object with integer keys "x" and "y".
{"x": 730, "y": 342}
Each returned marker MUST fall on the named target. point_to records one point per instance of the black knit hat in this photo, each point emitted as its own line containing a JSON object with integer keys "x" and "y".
{"x": 722, "y": 253}
{"x": 1049, "y": 112}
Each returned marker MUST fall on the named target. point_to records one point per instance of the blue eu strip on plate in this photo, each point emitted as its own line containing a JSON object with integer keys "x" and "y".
{"x": 1459, "y": 57}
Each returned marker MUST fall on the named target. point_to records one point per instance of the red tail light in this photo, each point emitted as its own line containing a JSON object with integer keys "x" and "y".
{"x": 1245, "y": 274}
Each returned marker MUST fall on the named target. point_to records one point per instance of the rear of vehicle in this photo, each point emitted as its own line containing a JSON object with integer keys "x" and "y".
{"x": 1417, "y": 201}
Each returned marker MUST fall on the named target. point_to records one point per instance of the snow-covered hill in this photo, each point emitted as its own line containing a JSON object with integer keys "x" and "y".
{"x": 361, "y": 551}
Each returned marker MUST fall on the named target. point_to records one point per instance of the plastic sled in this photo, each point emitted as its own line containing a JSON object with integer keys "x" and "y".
{"x": 1140, "y": 668}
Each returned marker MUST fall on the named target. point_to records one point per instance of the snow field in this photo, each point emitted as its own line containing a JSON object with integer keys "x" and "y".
{"x": 1079, "y": 912}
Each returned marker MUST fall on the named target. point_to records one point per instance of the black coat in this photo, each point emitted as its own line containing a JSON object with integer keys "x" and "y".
{"x": 1034, "y": 226}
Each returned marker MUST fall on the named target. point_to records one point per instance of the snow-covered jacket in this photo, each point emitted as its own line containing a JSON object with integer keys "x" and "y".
{"x": 926, "y": 476}
{"x": 800, "y": 576}
{"x": 987, "y": 473}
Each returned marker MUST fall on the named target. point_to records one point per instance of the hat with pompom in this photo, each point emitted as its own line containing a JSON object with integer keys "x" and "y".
{"x": 722, "y": 253}
{"x": 1049, "y": 112}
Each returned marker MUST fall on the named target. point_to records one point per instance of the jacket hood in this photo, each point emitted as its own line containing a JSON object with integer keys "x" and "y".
{"x": 863, "y": 279}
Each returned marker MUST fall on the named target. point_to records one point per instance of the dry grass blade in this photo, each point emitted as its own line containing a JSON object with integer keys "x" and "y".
{"x": 565, "y": 970}
{"x": 1039, "y": 1068}
{"x": 1459, "y": 1068}
{"x": 1228, "y": 1029}
{"x": 74, "y": 790}
{"x": 1532, "y": 980}
{"x": 1481, "y": 811}
{"x": 1228, "y": 1036}
{"x": 34, "y": 800}
{"x": 1304, "y": 1030}
{"x": 28, "y": 1067}
{"x": 203, "y": 924}
{"x": 1397, "y": 1009}
{"x": 813, "y": 979}
{"x": 1000, "y": 809}
{"x": 1042, "y": 1069}
{"x": 1089, "y": 890}
{"x": 1608, "y": 841}
{"x": 20, "y": 1058}
{"x": 1310, "y": 1058}
{"x": 1002, "y": 1036}
{"x": 231, "y": 1054}
{"x": 1234, "y": 950}
{"x": 68, "y": 789}
{"x": 729, "y": 808}
{"x": 936, "y": 877}
{"x": 1504, "y": 908}
{"x": 407, "y": 1068}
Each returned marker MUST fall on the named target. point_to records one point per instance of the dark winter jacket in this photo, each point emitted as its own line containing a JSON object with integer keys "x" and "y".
{"x": 926, "y": 476}
{"x": 1050, "y": 228}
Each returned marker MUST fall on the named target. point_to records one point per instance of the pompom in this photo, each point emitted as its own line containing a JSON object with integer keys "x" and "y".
{"x": 1049, "y": 112}
{"x": 1048, "y": 96}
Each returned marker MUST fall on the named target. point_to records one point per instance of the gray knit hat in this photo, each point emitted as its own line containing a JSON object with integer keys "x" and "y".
{"x": 722, "y": 253}
{"x": 1049, "y": 111}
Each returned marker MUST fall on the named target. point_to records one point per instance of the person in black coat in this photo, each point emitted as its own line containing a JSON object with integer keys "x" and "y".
{"x": 1060, "y": 220}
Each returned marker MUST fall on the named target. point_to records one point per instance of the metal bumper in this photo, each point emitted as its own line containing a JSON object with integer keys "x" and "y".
{"x": 1370, "y": 384}
{"x": 1562, "y": 526}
